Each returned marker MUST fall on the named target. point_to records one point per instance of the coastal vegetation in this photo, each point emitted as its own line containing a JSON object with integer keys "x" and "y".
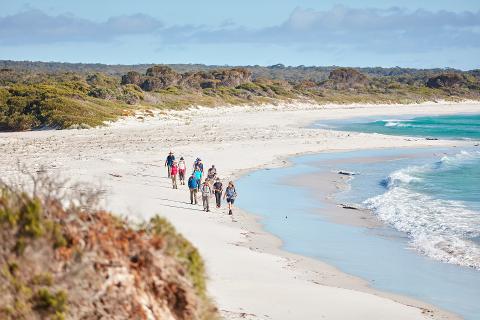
{"x": 62, "y": 258}
{"x": 37, "y": 95}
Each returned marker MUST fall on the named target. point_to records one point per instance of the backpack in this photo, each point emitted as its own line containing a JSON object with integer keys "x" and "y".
{"x": 198, "y": 174}
{"x": 231, "y": 193}
{"x": 217, "y": 186}
{"x": 206, "y": 190}
{"x": 192, "y": 183}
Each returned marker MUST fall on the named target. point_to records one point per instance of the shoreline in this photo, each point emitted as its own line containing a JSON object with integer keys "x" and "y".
{"x": 271, "y": 131}
{"x": 317, "y": 179}
{"x": 318, "y": 271}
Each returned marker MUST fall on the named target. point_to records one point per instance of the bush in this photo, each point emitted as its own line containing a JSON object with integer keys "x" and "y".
{"x": 52, "y": 303}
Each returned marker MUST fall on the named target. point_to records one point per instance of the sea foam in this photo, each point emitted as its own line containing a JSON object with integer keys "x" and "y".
{"x": 439, "y": 228}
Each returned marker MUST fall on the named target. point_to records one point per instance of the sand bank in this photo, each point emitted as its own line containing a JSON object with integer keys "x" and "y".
{"x": 250, "y": 278}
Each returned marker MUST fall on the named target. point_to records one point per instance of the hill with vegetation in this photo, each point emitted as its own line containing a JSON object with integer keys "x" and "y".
{"x": 60, "y": 95}
{"x": 73, "y": 261}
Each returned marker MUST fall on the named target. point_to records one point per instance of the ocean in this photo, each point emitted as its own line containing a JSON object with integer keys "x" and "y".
{"x": 435, "y": 201}
{"x": 465, "y": 126}
{"x": 427, "y": 198}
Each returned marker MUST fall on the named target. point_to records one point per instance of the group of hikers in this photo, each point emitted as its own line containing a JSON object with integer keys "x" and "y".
{"x": 212, "y": 185}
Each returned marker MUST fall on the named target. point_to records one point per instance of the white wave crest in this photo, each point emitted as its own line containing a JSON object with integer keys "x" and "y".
{"x": 396, "y": 123}
{"x": 403, "y": 176}
{"x": 459, "y": 158}
{"x": 440, "y": 229}
{"x": 410, "y": 174}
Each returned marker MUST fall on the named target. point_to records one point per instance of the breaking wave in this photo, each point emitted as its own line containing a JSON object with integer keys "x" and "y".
{"x": 444, "y": 229}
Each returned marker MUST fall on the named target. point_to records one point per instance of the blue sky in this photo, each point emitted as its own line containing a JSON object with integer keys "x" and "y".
{"x": 417, "y": 33}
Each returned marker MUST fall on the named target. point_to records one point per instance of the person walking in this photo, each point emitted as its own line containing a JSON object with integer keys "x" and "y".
{"x": 173, "y": 174}
{"x": 212, "y": 173}
{"x": 206, "y": 194}
{"x": 192, "y": 186}
{"x": 198, "y": 165}
{"x": 169, "y": 162}
{"x": 218, "y": 190}
{"x": 230, "y": 195}
{"x": 182, "y": 168}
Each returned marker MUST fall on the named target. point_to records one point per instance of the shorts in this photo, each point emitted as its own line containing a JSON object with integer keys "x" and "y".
{"x": 231, "y": 200}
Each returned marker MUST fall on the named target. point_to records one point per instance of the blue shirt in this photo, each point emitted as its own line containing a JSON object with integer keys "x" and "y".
{"x": 170, "y": 160}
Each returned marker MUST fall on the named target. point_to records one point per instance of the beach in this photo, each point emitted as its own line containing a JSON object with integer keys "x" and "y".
{"x": 250, "y": 277}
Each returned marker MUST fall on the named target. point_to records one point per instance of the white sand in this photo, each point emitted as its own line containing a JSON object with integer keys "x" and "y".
{"x": 250, "y": 278}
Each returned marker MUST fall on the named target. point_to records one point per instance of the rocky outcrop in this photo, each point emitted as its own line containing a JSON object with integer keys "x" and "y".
{"x": 342, "y": 78}
{"x": 164, "y": 75}
{"x": 194, "y": 80}
{"x": 446, "y": 80}
{"x": 232, "y": 77}
{"x": 161, "y": 77}
{"x": 132, "y": 77}
{"x": 151, "y": 84}
{"x": 88, "y": 264}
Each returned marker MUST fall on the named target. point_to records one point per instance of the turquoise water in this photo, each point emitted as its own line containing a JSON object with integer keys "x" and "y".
{"x": 451, "y": 178}
{"x": 436, "y": 201}
{"x": 386, "y": 256}
{"x": 450, "y": 127}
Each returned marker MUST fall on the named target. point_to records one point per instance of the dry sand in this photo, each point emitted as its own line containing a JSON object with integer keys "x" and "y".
{"x": 250, "y": 277}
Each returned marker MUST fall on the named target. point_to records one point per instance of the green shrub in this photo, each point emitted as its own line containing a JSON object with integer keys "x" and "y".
{"x": 250, "y": 86}
{"x": 42, "y": 279}
{"x": 54, "y": 304}
{"x": 30, "y": 219}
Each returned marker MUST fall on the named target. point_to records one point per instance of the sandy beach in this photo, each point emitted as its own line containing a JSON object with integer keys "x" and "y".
{"x": 249, "y": 276}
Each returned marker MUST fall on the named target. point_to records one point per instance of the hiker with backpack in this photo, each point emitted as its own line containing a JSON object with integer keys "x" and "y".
{"x": 173, "y": 174}
{"x": 218, "y": 190}
{"x": 206, "y": 194}
{"x": 169, "y": 162}
{"x": 230, "y": 194}
{"x": 193, "y": 186}
{"x": 198, "y": 165}
{"x": 212, "y": 173}
{"x": 182, "y": 168}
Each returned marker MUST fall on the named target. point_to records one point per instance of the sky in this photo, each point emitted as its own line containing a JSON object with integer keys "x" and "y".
{"x": 408, "y": 33}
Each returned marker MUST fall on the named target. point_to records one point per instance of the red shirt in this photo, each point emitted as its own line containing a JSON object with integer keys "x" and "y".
{"x": 174, "y": 170}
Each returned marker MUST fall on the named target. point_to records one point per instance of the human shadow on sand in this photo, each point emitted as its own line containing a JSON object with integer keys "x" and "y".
{"x": 179, "y": 207}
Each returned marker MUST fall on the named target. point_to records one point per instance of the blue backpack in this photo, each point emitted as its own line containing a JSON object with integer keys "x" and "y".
{"x": 192, "y": 183}
{"x": 231, "y": 193}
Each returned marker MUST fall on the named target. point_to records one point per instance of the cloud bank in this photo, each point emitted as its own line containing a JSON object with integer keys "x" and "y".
{"x": 370, "y": 30}
{"x": 393, "y": 29}
{"x": 37, "y": 27}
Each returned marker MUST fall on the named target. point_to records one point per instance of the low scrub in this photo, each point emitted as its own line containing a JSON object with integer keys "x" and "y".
{"x": 62, "y": 100}
{"x": 63, "y": 258}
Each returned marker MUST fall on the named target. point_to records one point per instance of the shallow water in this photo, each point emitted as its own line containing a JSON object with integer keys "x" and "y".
{"x": 388, "y": 257}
